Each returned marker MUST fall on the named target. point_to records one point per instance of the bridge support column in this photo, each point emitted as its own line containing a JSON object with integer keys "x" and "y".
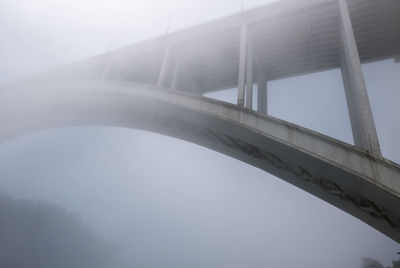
{"x": 362, "y": 122}
{"x": 262, "y": 93}
{"x": 242, "y": 65}
{"x": 249, "y": 74}
{"x": 175, "y": 76}
{"x": 162, "y": 79}
{"x": 192, "y": 87}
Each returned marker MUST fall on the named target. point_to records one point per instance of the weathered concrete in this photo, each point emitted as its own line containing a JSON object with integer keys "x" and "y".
{"x": 175, "y": 75}
{"x": 262, "y": 100}
{"x": 242, "y": 66}
{"x": 365, "y": 186}
{"x": 362, "y": 121}
{"x": 162, "y": 80}
{"x": 192, "y": 85}
{"x": 249, "y": 74}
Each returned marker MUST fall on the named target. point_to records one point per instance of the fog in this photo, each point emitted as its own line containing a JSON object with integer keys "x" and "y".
{"x": 113, "y": 197}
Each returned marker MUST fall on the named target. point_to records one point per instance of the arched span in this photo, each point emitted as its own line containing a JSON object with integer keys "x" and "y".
{"x": 362, "y": 185}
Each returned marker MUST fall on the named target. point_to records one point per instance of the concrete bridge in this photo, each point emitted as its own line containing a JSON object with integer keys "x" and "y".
{"x": 158, "y": 85}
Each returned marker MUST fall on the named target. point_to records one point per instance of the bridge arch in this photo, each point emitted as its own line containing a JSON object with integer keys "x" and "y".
{"x": 363, "y": 185}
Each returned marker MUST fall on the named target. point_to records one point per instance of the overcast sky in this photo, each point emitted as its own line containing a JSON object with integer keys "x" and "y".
{"x": 166, "y": 202}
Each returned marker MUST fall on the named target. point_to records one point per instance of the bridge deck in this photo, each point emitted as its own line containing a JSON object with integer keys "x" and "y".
{"x": 289, "y": 37}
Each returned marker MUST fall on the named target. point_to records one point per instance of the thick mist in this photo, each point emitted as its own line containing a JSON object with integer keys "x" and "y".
{"x": 112, "y": 197}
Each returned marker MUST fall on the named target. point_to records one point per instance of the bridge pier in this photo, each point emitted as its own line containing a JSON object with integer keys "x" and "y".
{"x": 193, "y": 87}
{"x": 249, "y": 73}
{"x": 242, "y": 65}
{"x": 362, "y": 122}
{"x": 175, "y": 75}
{"x": 262, "y": 93}
{"x": 246, "y": 64}
{"x": 162, "y": 79}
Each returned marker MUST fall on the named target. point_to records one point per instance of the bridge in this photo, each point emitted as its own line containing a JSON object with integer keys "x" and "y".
{"x": 158, "y": 85}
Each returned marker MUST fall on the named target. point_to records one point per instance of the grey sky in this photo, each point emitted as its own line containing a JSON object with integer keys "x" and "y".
{"x": 167, "y": 202}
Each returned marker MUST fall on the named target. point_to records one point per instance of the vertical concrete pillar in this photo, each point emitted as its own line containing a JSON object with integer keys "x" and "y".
{"x": 362, "y": 122}
{"x": 162, "y": 79}
{"x": 242, "y": 65}
{"x": 175, "y": 76}
{"x": 262, "y": 96}
{"x": 249, "y": 74}
{"x": 194, "y": 87}
{"x": 104, "y": 74}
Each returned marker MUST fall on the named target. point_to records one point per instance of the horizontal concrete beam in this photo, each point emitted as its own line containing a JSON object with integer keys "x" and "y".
{"x": 362, "y": 185}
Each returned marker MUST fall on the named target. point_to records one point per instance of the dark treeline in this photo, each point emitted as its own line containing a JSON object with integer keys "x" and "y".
{"x": 37, "y": 234}
{"x": 372, "y": 263}
{"x": 41, "y": 234}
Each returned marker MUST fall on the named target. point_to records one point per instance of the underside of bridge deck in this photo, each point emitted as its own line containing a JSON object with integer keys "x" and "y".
{"x": 289, "y": 38}
{"x": 283, "y": 39}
